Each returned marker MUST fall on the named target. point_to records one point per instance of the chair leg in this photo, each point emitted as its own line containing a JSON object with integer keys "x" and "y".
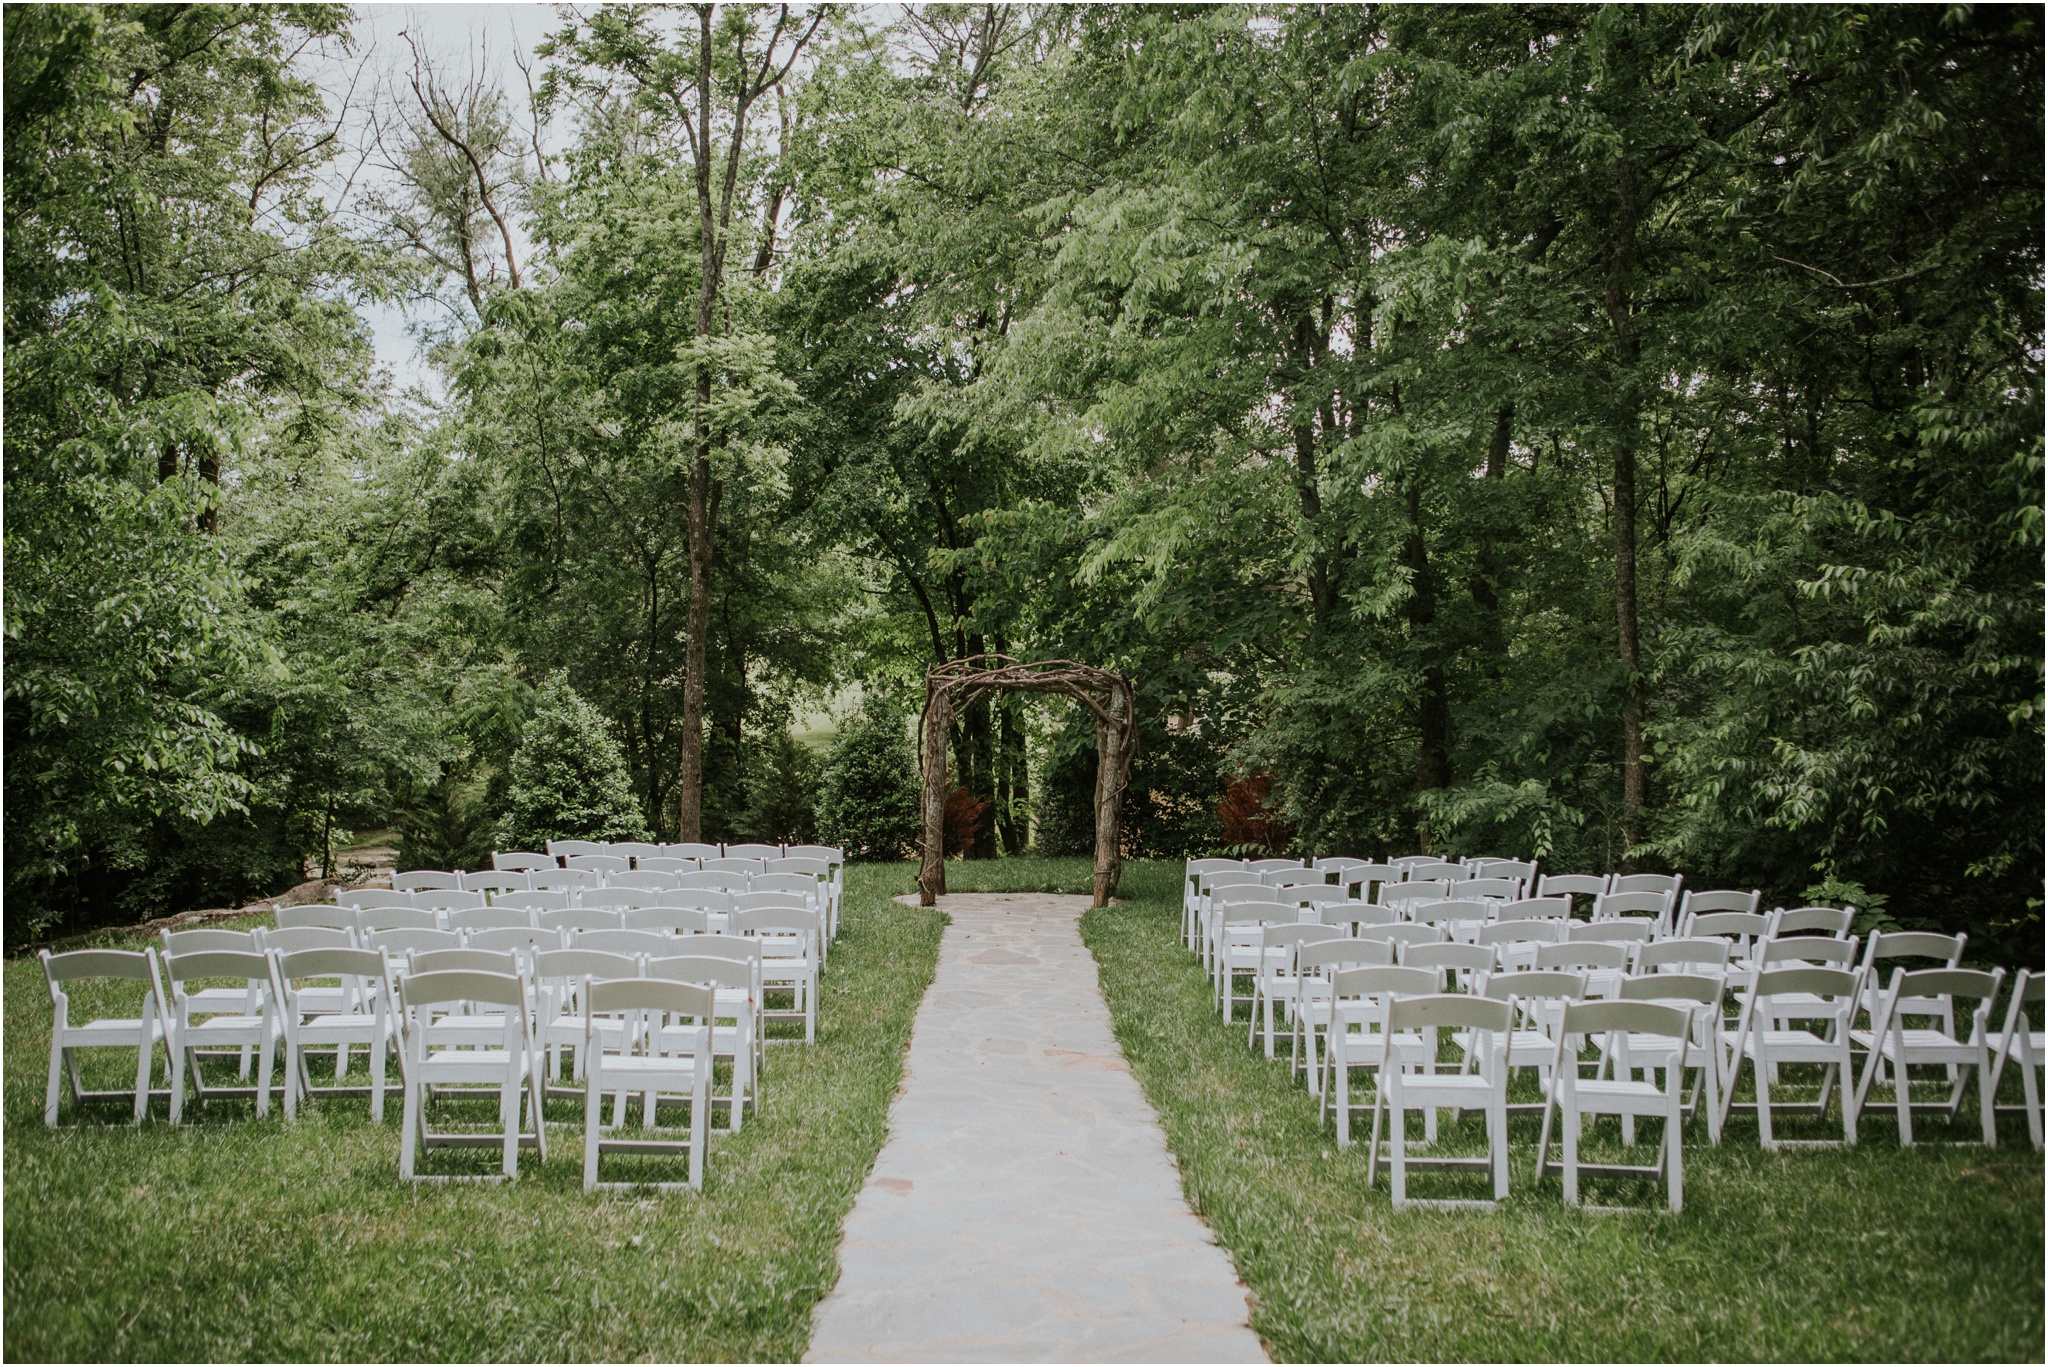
{"x": 264, "y": 1057}
{"x": 508, "y": 1116}
{"x": 593, "y": 1108}
{"x": 377, "y": 1082}
{"x": 1762, "y": 1073}
{"x": 57, "y": 1080}
{"x": 1674, "y": 1141}
{"x": 144, "y": 1064}
{"x": 1497, "y": 1142}
{"x": 2030, "y": 1091}
{"x": 1985, "y": 1098}
{"x": 700, "y": 1121}
{"x": 1570, "y": 1121}
{"x": 1397, "y": 1144}
{"x": 183, "y": 1060}
{"x": 408, "y": 1139}
{"x": 1340, "y": 1066}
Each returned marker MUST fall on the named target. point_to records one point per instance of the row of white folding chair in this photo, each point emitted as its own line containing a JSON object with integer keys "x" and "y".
{"x": 458, "y": 908}
{"x": 434, "y": 888}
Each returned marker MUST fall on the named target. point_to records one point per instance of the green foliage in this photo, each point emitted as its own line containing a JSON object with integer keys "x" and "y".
{"x": 782, "y": 792}
{"x": 868, "y": 795}
{"x": 568, "y": 776}
{"x": 447, "y": 826}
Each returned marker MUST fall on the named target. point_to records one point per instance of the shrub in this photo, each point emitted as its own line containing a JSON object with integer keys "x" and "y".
{"x": 1066, "y": 807}
{"x": 444, "y": 826}
{"x": 569, "y": 779}
{"x": 782, "y": 786}
{"x": 867, "y": 799}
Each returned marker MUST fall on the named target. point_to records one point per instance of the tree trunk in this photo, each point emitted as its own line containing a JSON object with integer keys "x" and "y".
{"x": 931, "y": 877}
{"x": 1433, "y": 708}
{"x": 1115, "y": 743}
{"x": 1634, "y": 775}
{"x": 690, "y": 768}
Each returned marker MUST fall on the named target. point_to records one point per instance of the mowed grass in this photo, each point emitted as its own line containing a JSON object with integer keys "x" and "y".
{"x": 1872, "y": 1254}
{"x": 233, "y": 1239}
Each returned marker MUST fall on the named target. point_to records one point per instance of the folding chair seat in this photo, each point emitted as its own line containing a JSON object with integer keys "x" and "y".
{"x": 320, "y": 1017}
{"x": 670, "y": 920}
{"x": 1274, "y": 980}
{"x": 540, "y": 900}
{"x": 1603, "y": 964}
{"x": 372, "y": 919}
{"x": 691, "y": 849}
{"x": 644, "y": 880}
{"x": 713, "y": 880}
{"x": 789, "y": 939}
{"x": 1666, "y": 883}
{"x": 661, "y": 863}
{"x": 634, "y": 942}
{"x": 522, "y": 861}
{"x": 1655, "y": 907}
{"x": 1314, "y": 963}
{"x": 465, "y": 1029}
{"x": 733, "y": 1034}
{"x": 1357, "y": 1036}
{"x": 1899, "y": 1046}
{"x": 1401, "y": 1089}
{"x": 68, "y": 1035}
{"x": 753, "y": 851}
{"x": 494, "y": 881}
{"x": 1833, "y": 922}
{"x": 2020, "y": 1043}
{"x": 426, "y": 880}
{"x": 491, "y": 918}
{"x": 558, "y": 978}
{"x": 686, "y": 1007}
{"x": 324, "y": 916}
{"x": 562, "y": 880}
{"x": 582, "y": 918}
{"x": 449, "y": 899}
{"x": 602, "y": 864}
{"x": 1622, "y": 1023}
{"x": 565, "y": 850}
{"x": 244, "y": 999}
{"x": 1522, "y": 870}
{"x": 1701, "y": 995}
{"x": 746, "y": 867}
{"x": 364, "y": 899}
{"x": 1782, "y": 1006}
{"x": 245, "y": 1017}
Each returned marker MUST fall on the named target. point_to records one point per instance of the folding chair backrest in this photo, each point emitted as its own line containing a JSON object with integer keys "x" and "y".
{"x": 1295, "y": 878}
{"x": 1975, "y": 984}
{"x": 1535, "y": 909}
{"x": 619, "y": 899}
{"x": 1512, "y": 932}
{"x": 330, "y": 917}
{"x": 831, "y": 854}
{"x": 566, "y": 849}
{"x": 1523, "y": 869}
{"x": 1685, "y": 954}
{"x": 1645, "y": 882}
{"x": 1448, "y": 955}
{"x": 363, "y": 898}
{"x": 699, "y": 968}
{"x": 1584, "y": 954}
{"x": 691, "y": 849}
{"x": 599, "y": 863}
{"x": 661, "y": 863}
{"x": 738, "y": 948}
{"x": 760, "y": 901}
{"x": 1631, "y": 1017}
{"x": 1440, "y": 872}
{"x": 582, "y": 918}
{"x": 465, "y": 960}
{"x": 635, "y": 850}
{"x": 748, "y": 867}
{"x": 197, "y": 941}
{"x": 1832, "y": 921}
{"x": 1219, "y": 879}
{"x": 519, "y": 939}
{"x": 1700, "y": 903}
{"x": 1286, "y": 936}
{"x": 1317, "y": 894}
{"x": 1886, "y": 946}
{"x": 518, "y": 861}
{"x": 1385, "y": 980}
{"x": 1537, "y": 984}
{"x": 447, "y": 899}
{"x": 1571, "y": 885}
{"x": 426, "y": 880}
{"x": 1365, "y": 877}
{"x": 1739, "y": 927}
{"x": 651, "y": 994}
{"x": 1339, "y": 863}
{"x": 1805, "y": 980}
{"x": 490, "y": 918}
{"x": 803, "y": 883}
{"x": 409, "y": 939}
{"x": 1402, "y": 933}
{"x": 1704, "y": 988}
{"x": 538, "y": 899}
{"x": 646, "y": 879}
{"x": 1810, "y": 949}
{"x": 299, "y": 939}
{"x": 1613, "y": 932}
{"x": 1500, "y": 889}
{"x": 396, "y": 918}
{"x": 330, "y": 962}
{"x": 669, "y": 920}
{"x": 776, "y": 921}
{"x": 246, "y": 964}
{"x": 713, "y": 878}
{"x": 1357, "y": 914}
{"x": 1437, "y": 1011}
{"x": 1263, "y": 909}
{"x": 647, "y": 942}
{"x": 753, "y": 851}
{"x": 439, "y": 987}
{"x": 135, "y": 965}
{"x": 566, "y": 879}
{"x": 1268, "y": 865}
{"x": 558, "y": 965}
{"x": 1410, "y": 861}
{"x": 1451, "y": 910}
{"x": 495, "y": 881}
{"x": 698, "y": 899}
{"x": 1651, "y": 905}
{"x": 1341, "y": 952}
{"x": 816, "y": 868}
{"x": 1396, "y": 894}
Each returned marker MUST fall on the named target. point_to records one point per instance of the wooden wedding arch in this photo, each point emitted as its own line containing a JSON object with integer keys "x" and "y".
{"x": 953, "y": 686}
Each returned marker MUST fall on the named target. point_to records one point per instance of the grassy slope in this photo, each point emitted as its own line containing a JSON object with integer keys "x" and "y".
{"x": 235, "y": 1239}
{"x": 1878, "y": 1253}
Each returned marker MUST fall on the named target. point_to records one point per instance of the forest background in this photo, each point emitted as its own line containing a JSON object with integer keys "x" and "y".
{"x": 1605, "y": 434}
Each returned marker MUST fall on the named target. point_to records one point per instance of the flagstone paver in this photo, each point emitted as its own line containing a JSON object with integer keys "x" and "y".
{"x": 1025, "y": 1207}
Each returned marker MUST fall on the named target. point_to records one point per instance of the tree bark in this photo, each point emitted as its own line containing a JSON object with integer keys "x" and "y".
{"x": 1114, "y": 742}
{"x": 1433, "y": 708}
{"x": 932, "y": 745}
{"x": 1634, "y": 774}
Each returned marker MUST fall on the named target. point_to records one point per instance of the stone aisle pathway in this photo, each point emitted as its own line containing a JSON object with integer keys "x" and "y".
{"x": 1025, "y": 1208}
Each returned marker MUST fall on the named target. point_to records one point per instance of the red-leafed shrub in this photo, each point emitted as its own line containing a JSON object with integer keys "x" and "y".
{"x": 966, "y": 821}
{"x": 1246, "y": 820}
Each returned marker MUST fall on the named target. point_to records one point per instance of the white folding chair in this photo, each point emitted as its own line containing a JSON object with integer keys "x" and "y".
{"x": 399, "y": 943}
{"x": 1700, "y": 994}
{"x": 320, "y": 1017}
{"x": 1357, "y": 1036}
{"x": 1744, "y": 932}
{"x": 1314, "y": 963}
{"x": 1523, "y": 870}
{"x": 789, "y": 940}
{"x": 1516, "y": 941}
{"x": 1695, "y": 903}
{"x": 1440, "y": 871}
{"x": 1666, "y": 883}
{"x": 245, "y": 1017}
{"x": 753, "y": 850}
{"x": 1654, "y": 907}
{"x": 1402, "y": 1089}
{"x": 1779, "y": 1012}
{"x": 1494, "y": 889}
{"x": 1470, "y": 965}
{"x": 1898, "y": 1047}
{"x": 734, "y": 1031}
{"x": 691, "y": 849}
{"x": 644, "y": 880}
{"x": 1275, "y": 980}
{"x": 1833, "y": 922}
{"x": 558, "y": 977}
{"x": 324, "y": 916}
{"x": 491, "y": 918}
{"x": 2020, "y": 1043}
{"x": 243, "y": 999}
{"x": 686, "y": 1008}
{"x": 68, "y": 1035}
{"x": 1603, "y": 964}
{"x": 1575, "y": 1097}
{"x": 565, "y": 849}
{"x": 495, "y": 881}
{"x": 445, "y": 1048}
{"x": 1400, "y": 896}
{"x": 1240, "y": 945}
{"x": 425, "y": 880}
{"x": 1572, "y": 886}
{"x": 602, "y": 864}
{"x": 1540, "y": 998}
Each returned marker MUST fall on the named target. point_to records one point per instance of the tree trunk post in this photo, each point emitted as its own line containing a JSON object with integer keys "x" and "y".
{"x": 1113, "y": 742}
{"x": 938, "y": 722}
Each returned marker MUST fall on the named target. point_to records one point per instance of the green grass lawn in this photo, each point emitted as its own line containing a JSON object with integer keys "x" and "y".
{"x": 1873, "y": 1254}
{"x": 232, "y": 1238}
